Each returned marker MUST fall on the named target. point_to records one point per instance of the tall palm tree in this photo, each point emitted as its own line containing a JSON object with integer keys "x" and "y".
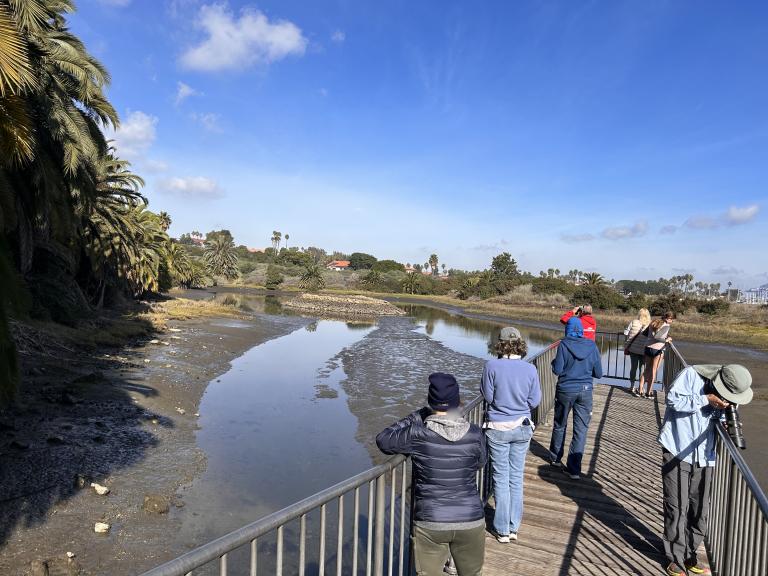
{"x": 220, "y": 257}
{"x": 433, "y": 264}
{"x": 165, "y": 220}
{"x": 286, "y": 241}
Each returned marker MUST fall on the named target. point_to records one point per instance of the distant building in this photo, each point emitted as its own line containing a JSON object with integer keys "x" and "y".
{"x": 754, "y": 295}
{"x": 198, "y": 241}
{"x": 410, "y": 269}
{"x": 255, "y": 250}
{"x": 338, "y": 265}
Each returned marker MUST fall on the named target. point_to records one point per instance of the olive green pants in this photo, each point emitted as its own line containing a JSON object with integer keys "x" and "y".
{"x": 433, "y": 547}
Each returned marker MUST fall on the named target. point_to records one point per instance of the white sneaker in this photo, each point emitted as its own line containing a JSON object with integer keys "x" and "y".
{"x": 513, "y": 536}
{"x": 503, "y": 538}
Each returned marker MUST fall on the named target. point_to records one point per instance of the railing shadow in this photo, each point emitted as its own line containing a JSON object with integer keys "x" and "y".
{"x": 603, "y": 526}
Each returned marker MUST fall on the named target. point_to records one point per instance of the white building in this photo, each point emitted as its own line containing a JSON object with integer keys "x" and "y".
{"x": 755, "y": 295}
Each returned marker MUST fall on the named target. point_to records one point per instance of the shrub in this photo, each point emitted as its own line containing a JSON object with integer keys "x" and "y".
{"x": 669, "y": 303}
{"x": 601, "y": 297}
{"x": 634, "y": 302}
{"x": 273, "y": 279}
{"x": 713, "y": 307}
{"x": 552, "y": 286}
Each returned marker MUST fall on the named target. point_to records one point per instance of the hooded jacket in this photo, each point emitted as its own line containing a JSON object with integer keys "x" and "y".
{"x": 446, "y": 452}
{"x": 577, "y": 361}
{"x": 587, "y": 321}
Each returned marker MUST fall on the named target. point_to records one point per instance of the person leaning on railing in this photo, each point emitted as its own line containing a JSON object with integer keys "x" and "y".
{"x": 446, "y": 452}
{"x": 634, "y": 347}
{"x": 695, "y": 403}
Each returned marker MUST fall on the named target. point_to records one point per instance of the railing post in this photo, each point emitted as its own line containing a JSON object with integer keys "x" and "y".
{"x": 730, "y": 520}
{"x": 381, "y": 515}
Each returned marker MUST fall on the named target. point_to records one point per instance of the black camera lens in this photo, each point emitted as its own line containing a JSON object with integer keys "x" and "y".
{"x": 733, "y": 422}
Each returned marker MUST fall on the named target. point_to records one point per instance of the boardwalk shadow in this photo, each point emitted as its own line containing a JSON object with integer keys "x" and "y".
{"x": 605, "y": 528}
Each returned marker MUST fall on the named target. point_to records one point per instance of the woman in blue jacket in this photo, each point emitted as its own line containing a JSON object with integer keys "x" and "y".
{"x": 577, "y": 362}
{"x": 511, "y": 389}
{"x": 446, "y": 451}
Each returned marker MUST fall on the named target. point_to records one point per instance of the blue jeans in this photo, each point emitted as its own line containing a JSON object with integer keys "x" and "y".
{"x": 581, "y": 403}
{"x": 508, "y": 449}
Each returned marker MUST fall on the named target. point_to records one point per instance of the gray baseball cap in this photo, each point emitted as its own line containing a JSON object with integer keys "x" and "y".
{"x": 509, "y": 333}
{"x": 733, "y": 382}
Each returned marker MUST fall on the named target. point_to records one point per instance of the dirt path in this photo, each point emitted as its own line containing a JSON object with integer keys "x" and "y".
{"x": 125, "y": 419}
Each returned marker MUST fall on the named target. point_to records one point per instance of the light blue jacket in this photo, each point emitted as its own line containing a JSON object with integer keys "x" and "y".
{"x": 511, "y": 388}
{"x": 688, "y": 431}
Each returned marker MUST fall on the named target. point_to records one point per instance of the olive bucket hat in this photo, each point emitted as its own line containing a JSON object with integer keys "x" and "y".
{"x": 509, "y": 333}
{"x": 732, "y": 381}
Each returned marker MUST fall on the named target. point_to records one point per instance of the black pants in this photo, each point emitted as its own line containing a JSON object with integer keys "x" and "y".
{"x": 686, "y": 506}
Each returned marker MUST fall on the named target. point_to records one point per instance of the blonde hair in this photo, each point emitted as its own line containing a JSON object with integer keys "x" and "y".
{"x": 644, "y": 316}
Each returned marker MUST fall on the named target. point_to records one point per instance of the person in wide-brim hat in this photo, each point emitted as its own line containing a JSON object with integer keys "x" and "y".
{"x": 732, "y": 381}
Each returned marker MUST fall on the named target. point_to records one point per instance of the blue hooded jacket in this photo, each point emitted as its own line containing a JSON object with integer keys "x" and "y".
{"x": 577, "y": 361}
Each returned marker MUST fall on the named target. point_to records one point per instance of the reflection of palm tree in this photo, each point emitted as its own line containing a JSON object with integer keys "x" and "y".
{"x": 311, "y": 327}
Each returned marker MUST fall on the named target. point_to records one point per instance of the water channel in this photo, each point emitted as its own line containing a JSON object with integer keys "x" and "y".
{"x": 300, "y": 413}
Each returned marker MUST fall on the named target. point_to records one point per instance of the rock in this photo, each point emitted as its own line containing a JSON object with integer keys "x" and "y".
{"x": 180, "y": 410}
{"x": 154, "y": 341}
{"x": 39, "y": 568}
{"x": 101, "y": 527}
{"x": 147, "y": 360}
{"x": 80, "y": 481}
{"x": 70, "y": 555}
{"x": 100, "y": 490}
{"x": 155, "y": 421}
{"x": 55, "y": 440}
{"x": 174, "y": 330}
{"x": 156, "y": 504}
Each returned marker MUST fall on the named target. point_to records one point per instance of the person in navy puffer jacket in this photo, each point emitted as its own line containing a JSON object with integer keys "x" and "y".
{"x": 577, "y": 362}
{"x": 446, "y": 452}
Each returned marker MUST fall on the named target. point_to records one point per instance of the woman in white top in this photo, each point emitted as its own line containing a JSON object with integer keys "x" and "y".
{"x": 658, "y": 338}
{"x": 634, "y": 347}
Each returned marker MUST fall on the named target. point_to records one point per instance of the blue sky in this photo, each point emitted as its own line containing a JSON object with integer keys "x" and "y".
{"x": 630, "y": 138}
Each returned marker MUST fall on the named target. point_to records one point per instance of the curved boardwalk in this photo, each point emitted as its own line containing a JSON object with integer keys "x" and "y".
{"x": 608, "y": 522}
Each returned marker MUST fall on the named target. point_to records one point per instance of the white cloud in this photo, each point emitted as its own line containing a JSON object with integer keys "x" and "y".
{"x": 338, "y": 36}
{"x": 620, "y": 232}
{"x": 573, "y": 238}
{"x": 727, "y": 271}
{"x": 135, "y": 135}
{"x": 115, "y": 2}
{"x": 234, "y": 43}
{"x": 193, "y": 187}
{"x": 210, "y": 121}
{"x": 736, "y": 216}
{"x": 155, "y": 166}
{"x": 701, "y": 223}
{"x": 184, "y": 91}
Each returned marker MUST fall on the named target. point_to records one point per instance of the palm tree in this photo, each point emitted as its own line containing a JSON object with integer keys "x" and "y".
{"x": 411, "y": 282}
{"x": 165, "y": 221}
{"x": 371, "y": 280}
{"x": 312, "y": 278}
{"x": 594, "y": 279}
{"x": 286, "y": 241}
{"x": 433, "y": 264}
{"x": 276, "y": 236}
{"x": 220, "y": 257}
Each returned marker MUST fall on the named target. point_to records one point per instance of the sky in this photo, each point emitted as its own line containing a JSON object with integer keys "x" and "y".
{"x": 627, "y": 138}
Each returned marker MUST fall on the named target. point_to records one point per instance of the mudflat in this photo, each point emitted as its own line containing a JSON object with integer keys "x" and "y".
{"x": 125, "y": 419}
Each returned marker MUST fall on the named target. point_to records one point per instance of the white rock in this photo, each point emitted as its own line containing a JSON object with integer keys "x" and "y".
{"x": 180, "y": 410}
{"x": 154, "y": 341}
{"x": 70, "y": 554}
{"x": 101, "y": 527}
{"x": 146, "y": 360}
{"x": 100, "y": 490}
{"x": 174, "y": 330}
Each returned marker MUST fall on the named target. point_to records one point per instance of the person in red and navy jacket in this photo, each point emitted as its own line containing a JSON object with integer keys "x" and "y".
{"x": 583, "y": 313}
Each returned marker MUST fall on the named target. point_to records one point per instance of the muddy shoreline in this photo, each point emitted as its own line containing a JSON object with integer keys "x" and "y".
{"x": 124, "y": 418}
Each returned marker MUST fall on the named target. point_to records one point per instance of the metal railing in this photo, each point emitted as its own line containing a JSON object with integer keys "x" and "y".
{"x": 737, "y": 526}
{"x": 379, "y": 539}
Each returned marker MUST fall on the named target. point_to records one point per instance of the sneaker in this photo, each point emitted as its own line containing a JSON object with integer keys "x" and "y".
{"x": 503, "y": 538}
{"x": 570, "y": 474}
{"x": 697, "y": 569}
{"x": 675, "y": 570}
{"x": 513, "y": 536}
{"x": 633, "y": 391}
{"x": 556, "y": 463}
{"x": 450, "y": 569}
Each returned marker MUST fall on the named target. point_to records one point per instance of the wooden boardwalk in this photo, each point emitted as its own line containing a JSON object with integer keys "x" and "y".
{"x": 608, "y": 522}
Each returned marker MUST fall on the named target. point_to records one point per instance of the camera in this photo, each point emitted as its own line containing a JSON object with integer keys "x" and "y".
{"x": 579, "y": 311}
{"x": 733, "y": 422}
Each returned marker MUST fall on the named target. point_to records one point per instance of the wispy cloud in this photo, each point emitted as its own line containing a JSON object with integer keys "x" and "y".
{"x": 154, "y": 166}
{"x": 135, "y": 135}
{"x": 234, "y": 43}
{"x": 338, "y": 37}
{"x": 736, "y": 216}
{"x": 621, "y": 232}
{"x": 571, "y": 238}
{"x": 115, "y": 2}
{"x": 726, "y": 271}
{"x": 668, "y": 229}
{"x": 701, "y": 223}
{"x": 193, "y": 187}
{"x": 208, "y": 120}
{"x": 184, "y": 91}
{"x": 683, "y": 270}
{"x": 495, "y": 247}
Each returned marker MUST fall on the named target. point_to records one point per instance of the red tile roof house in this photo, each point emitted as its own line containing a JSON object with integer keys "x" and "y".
{"x": 338, "y": 265}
